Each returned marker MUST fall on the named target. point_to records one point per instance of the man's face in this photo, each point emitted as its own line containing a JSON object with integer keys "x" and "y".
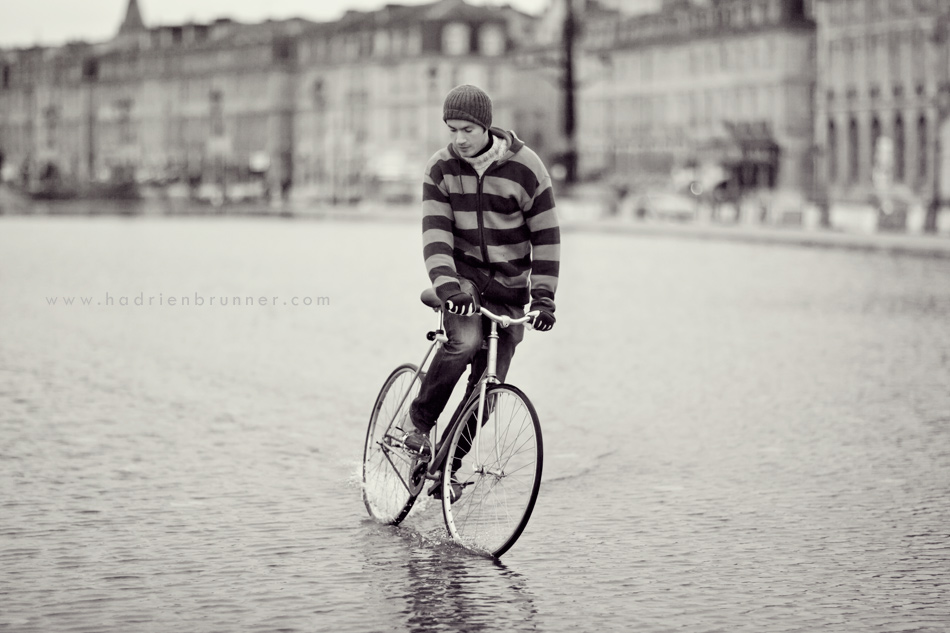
{"x": 467, "y": 137}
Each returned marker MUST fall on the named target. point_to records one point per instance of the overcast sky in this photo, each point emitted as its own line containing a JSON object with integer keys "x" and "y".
{"x": 28, "y": 22}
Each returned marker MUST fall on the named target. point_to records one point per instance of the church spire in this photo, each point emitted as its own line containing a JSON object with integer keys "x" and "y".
{"x": 133, "y": 19}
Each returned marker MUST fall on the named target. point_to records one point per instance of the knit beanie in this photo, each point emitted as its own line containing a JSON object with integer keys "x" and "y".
{"x": 468, "y": 103}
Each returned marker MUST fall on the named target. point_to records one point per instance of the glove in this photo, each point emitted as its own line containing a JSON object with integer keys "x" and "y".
{"x": 542, "y": 321}
{"x": 461, "y": 303}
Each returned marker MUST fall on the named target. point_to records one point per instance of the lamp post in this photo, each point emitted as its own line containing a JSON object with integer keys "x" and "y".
{"x": 942, "y": 107}
{"x": 569, "y": 86}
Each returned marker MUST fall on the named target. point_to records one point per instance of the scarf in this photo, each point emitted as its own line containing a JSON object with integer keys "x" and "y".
{"x": 481, "y": 162}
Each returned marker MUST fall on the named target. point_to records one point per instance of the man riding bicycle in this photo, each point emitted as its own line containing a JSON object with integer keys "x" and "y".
{"x": 490, "y": 237}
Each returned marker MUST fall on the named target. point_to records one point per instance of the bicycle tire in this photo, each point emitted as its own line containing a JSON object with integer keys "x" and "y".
{"x": 498, "y": 494}
{"x": 392, "y": 478}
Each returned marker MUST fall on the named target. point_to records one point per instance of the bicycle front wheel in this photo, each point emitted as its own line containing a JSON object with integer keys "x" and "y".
{"x": 392, "y": 477}
{"x": 494, "y": 471}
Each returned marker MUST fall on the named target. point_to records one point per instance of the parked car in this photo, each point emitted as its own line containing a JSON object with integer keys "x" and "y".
{"x": 666, "y": 206}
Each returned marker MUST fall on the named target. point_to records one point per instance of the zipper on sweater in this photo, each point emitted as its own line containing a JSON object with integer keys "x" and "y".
{"x": 481, "y": 231}
{"x": 481, "y": 220}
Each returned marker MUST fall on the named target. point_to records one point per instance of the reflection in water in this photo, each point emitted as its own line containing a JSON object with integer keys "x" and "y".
{"x": 431, "y": 584}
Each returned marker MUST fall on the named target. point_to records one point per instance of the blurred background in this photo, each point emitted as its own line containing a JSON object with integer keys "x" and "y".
{"x": 740, "y": 435}
{"x": 793, "y": 113}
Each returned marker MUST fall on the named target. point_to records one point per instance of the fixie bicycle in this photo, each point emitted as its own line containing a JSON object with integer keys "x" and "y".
{"x": 487, "y": 474}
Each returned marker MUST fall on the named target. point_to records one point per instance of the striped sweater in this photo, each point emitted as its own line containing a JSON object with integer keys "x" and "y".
{"x": 499, "y": 230}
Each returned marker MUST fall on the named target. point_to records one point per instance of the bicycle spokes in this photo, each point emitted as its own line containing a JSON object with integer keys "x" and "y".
{"x": 498, "y": 464}
{"x": 391, "y": 477}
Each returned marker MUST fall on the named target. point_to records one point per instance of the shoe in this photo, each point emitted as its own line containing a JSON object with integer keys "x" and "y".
{"x": 436, "y": 489}
{"x": 416, "y": 440}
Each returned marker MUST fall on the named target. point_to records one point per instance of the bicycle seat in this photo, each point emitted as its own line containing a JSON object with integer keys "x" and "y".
{"x": 431, "y": 299}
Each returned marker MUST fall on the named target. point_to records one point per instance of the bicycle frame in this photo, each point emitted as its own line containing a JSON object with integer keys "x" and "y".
{"x": 488, "y": 377}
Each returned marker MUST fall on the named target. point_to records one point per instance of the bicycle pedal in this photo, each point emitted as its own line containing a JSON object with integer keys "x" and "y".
{"x": 435, "y": 490}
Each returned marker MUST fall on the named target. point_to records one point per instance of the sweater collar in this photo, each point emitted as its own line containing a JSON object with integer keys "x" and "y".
{"x": 514, "y": 144}
{"x": 481, "y": 162}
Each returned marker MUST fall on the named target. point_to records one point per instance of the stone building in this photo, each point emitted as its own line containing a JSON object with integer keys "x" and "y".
{"x": 43, "y": 112}
{"x": 186, "y": 103}
{"x": 328, "y": 111}
{"x": 370, "y": 89}
{"x": 720, "y": 88}
{"x": 881, "y": 106}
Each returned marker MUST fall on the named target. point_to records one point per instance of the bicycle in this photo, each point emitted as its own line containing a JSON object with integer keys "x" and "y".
{"x": 488, "y": 475}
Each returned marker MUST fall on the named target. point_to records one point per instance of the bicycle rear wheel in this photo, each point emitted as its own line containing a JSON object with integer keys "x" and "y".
{"x": 392, "y": 476}
{"x": 498, "y": 468}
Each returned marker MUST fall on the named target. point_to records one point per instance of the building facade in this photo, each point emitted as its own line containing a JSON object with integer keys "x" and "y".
{"x": 189, "y": 103}
{"x": 328, "y": 111}
{"x": 720, "y": 87}
{"x": 879, "y": 119}
{"x": 43, "y": 111}
{"x": 368, "y": 108}
{"x": 837, "y": 101}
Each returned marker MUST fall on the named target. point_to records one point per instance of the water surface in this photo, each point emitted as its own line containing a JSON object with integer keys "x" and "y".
{"x": 738, "y": 437}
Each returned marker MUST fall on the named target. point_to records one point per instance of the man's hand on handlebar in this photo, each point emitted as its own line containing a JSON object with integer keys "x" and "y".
{"x": 461, "y": 303}
{"x": 541, "y": 320}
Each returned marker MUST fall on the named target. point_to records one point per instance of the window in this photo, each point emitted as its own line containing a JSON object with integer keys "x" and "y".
{"x": 491, "y": 40}
{"x": 849, "y": 67}
{"x": 382, "y": 44}
{"x": 832, "y": 154}
{"x": 124, "y": 116}
{"x": 319, "y": 97}
{"x": 853, "y": 167}
{"x": 52, "y": 123}
{"x": 320, "y": 48}
{"x": 894, "y": 55}
{"x": 922, "y": 149}
{"x": 456, "y": 39}
{"x": 775, "y": 11}
{"x": 875, "y": 139}
{"x": 414, "y": 42}
{"x": 899, "y": 150}
{"x": 217, "y": 114}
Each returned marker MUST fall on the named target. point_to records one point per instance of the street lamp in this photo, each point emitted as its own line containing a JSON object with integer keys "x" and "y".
{"x": 942, "y": 105}
{"x": 943, "y": 109}
{"x": 568, "y": 35}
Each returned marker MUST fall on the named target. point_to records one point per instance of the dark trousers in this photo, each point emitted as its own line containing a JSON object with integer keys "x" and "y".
{"x": 464, "y": 346}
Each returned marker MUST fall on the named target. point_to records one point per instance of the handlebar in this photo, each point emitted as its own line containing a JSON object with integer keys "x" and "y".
{"x": 504, "y": 320}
